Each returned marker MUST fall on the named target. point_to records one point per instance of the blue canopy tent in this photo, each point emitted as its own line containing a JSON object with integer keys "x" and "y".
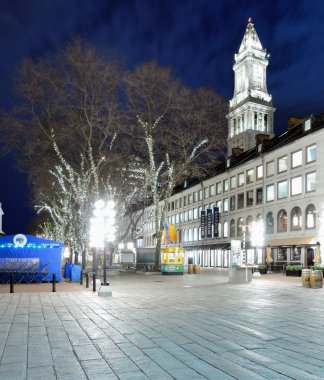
{"x": 30, "y": 258}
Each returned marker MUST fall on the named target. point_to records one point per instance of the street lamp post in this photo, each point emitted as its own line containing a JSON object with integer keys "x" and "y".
{"x": 257, "y": 232}
{"x": 102, "y": 229}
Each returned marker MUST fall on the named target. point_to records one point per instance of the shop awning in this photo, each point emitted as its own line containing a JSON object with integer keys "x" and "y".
{"x": 291, "y": 241}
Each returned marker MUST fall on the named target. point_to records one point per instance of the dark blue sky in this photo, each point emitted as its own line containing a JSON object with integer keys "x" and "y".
{"x": 198, "y": 38}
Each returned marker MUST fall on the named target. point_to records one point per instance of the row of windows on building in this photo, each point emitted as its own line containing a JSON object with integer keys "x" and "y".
{"x": 235, "y": 229}
{"x": 250, "y": 175}
{"x": 247, "y": 199}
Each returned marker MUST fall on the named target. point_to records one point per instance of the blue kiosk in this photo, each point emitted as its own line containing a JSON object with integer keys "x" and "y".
{"x": 29, "y": 258}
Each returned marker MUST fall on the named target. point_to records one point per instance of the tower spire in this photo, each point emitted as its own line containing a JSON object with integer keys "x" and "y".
{"x": 251, "y": 110}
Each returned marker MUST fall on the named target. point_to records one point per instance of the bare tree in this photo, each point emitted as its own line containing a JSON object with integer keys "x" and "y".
{"x": 176, "y": 128}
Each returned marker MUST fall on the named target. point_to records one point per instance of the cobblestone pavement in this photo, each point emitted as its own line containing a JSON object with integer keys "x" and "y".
{"x": 166, "y": 327}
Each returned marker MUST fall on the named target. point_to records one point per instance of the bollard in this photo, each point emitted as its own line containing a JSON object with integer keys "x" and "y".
{"x": 87, "y": 280}
{"x": 12, "y": 290}
{"x": 81, "y": 278}
{"x": 94, "y": 282}
{"x": 54, "y": 283}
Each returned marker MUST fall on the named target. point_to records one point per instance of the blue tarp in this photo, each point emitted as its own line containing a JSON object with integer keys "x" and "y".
{"x": 45, "y": 255}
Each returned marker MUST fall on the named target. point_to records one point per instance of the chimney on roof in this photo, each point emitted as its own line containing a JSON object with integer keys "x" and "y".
{"x": 261, "y": 137}
{"x": 236, "y": 151}
{"x": 293, "y": 121}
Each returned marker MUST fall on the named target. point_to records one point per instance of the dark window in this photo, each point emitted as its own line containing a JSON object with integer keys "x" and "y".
{"x": 259, "y": 195}
{"x": 240, "y": 200}
{"x": 249, "y": 198}
{"x": 232, "y": 203}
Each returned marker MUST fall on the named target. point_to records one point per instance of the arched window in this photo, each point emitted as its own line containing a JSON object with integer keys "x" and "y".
{"x": 219, "y": 229}
{"x": 282, "y": 220}
{"x": 240, "y": 224}
{"x": 225, "y": 230}
{"x": 195, "y": 234}
{"x": 269, "y": 223}
{"x": 310, "y": 216}
{"x": 232, "y": 228}
{"x": 189, "y": 234}
{"x": 296, "y": 219}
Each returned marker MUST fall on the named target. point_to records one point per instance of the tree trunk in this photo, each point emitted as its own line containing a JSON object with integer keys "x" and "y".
{"x": 158, "y": 254}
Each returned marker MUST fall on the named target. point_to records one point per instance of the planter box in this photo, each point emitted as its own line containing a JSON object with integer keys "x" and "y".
{"x": 293, "y": 273}
{"x": 263, "y": 271}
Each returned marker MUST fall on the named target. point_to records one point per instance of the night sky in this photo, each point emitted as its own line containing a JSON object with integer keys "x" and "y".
{"x": 197, "y": 38}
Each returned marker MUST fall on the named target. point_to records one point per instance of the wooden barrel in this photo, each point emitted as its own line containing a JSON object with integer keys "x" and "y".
{"x": 196, "y": 268}
{"x": 316, "y": 279}
{"x": 306, "y": 278}
{"x": 190, "y": 268}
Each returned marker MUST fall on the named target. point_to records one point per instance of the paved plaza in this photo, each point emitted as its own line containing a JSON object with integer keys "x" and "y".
{"x": 165, "y": 327}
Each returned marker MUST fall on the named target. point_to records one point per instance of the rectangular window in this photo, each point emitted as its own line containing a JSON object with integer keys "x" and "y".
{"x": 176, "y": 204}
{"x": 296, "y": 159}
{"x": 240, "y": 200}
{"x": 172, "y": 219}
{"x": 195, "y": 213}
{"x": 225, "y": 205}
{"x": 311, "y": 153}
{"x": 211, "y": 190}
{"x": 240, "y": 179}
{"x": 250, "y": 176}
{"x": 185, "y": 201}
{"x": 180, "y": 202}
{"x": 190, "y": 215}
{"x": 195, "y": 196}
{"x": 296, "y": 185}
{"x": 270, "y": 168}
{"x": 219, "y": 205}
{"x": 225, "y": 185}
{"x": 259, "y": 195}
{"x": 200, "y": 194}
{"x": 282, "y": 164}
{"x": 177, "y": 218}
{"x": 189, "y": 199}
{"x": 270, "y": 193}
{"x": 259, "y": 171}
{"x": 218, "y": 188}
{"x": 232, "y": 203}
{"x": 282, "y": 189}
{"x": 249, "y": 198}
{"x": 206, "y": 192}
{"x": 185, "y": 216}
{"x": 310, "y": 181}
{"x": 233, "y": 182}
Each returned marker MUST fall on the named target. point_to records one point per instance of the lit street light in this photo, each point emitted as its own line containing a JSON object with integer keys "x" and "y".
{"x": 102, "y": 229}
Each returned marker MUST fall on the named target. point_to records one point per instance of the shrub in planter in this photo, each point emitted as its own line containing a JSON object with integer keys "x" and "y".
{"x": 262, "y": 268}
{"x": 293, "y": 270}
{"x": 317, "y": 267}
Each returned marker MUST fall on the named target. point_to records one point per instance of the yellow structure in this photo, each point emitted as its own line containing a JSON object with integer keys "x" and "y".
{"x": 172, "y": 260}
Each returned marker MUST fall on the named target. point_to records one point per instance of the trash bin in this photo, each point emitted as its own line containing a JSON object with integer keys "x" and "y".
{"x": 67, "y": 270}
{"x": 75, "y": 273}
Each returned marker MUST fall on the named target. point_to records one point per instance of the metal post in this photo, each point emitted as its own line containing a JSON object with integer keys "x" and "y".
{"x": 105, "y": 267}
{"x": 54, "y": 283}
{"x": 81, "y": 278}
{"x": 94, "y": 282}
{"x": 12, "y": 290}
{"x": 87, "y": 280}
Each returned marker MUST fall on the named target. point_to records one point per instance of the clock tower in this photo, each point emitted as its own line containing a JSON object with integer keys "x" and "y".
{"x": 251, "y": 110}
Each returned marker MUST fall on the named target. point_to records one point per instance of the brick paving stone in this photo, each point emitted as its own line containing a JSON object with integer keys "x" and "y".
{"x": 42, "y": 372}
